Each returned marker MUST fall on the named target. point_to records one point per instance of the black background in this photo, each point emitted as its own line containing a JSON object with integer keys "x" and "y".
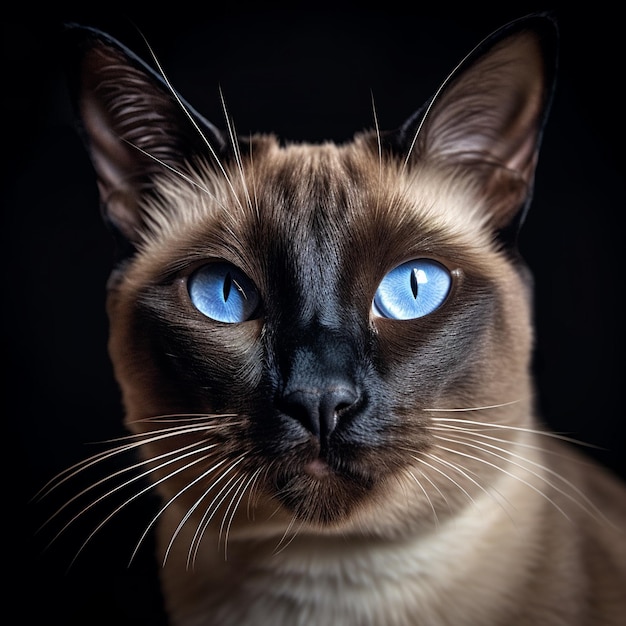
{"x": 306, "y": 74}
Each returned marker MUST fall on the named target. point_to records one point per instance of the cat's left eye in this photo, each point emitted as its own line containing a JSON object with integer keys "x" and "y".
{"x": 222, "y": 292}
{"x": 412, "y": 290}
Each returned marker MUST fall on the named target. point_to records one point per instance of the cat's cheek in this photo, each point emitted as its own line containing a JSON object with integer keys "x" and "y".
{"x": 169, "y": 357}
{"x": 219, "y": 364}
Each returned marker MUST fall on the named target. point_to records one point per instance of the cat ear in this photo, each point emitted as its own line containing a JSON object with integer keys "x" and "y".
{"x": 133, "y": 123}
{"x": 488, "y": 116}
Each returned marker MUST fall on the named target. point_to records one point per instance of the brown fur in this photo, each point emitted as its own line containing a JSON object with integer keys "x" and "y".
{"x": 440, "y": 501}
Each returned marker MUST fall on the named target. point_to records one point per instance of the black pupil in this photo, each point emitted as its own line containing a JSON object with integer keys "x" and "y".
{"x": 414, "y": 283}
{"x": 228, "y": 282}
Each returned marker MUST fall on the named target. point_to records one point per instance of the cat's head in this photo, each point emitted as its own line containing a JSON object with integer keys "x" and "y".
{"x": 291, "y": 323}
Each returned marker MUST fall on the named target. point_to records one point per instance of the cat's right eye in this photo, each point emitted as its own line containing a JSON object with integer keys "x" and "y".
{"x": 222, "y": 292}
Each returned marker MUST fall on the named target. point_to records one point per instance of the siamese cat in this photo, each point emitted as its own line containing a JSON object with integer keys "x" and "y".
{"x": 324, "y": 357}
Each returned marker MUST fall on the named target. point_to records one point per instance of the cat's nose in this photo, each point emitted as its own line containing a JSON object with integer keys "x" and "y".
{"x": 320, "y": 409}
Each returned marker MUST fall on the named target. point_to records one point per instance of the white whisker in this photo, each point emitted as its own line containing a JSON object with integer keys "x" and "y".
{"x": 155, "y": 435}
{"x": 478, "y": 432}
{"x": 430, "y": 502}
{"x": 442, "y": 473}
{"x": 124, "y": 504}
{"x": 177, "y": 417}
{"x": 492, "y": 494}
{"x": 197, "y": 503}
{"x": 124, "y": 484}
{"x": 250, "y": 506}
{"x": 167, "y": 504}
{"x": 282, "y": 544}
{"x": 525, "y": 482}
{"x": 433, "y": 101}
{"x": 192, "y": 120}
{"x": 481, "y": 445}
{"x": 236, "y": 150}
{"x": 177, "y": 172}
{"x": 235, "y": 505}
{"x": 253, "y": 178}
{"x": 145, "y": 438}
{"x": 474, "y": 408}
{"x": 494, "y": 426}
{"x": 434, "y": 486}
{"x": 211, "y": 510}
{"x": 380, "y": 154}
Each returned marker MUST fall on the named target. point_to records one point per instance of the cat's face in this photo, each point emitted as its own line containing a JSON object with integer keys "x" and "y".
{"x": 292, "y": 324}
{"x": 310, "y": 388}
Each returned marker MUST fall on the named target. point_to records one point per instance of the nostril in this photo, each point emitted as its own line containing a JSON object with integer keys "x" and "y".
{"x": 319, "y": 409}
{"x": 342, "y": 406}
{"x": 337, "y": 400}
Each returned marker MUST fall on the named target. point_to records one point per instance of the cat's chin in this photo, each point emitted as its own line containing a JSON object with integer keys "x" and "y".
{"x": 324, "y": 493}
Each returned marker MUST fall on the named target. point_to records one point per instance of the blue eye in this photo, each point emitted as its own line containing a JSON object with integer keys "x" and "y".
{"x": 223, "y": 292}
{"x": 412, "y": 290}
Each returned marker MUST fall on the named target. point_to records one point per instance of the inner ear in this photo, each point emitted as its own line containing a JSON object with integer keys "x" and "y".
{"x": 487, "y": 118}
{"x": 134, "y": 125}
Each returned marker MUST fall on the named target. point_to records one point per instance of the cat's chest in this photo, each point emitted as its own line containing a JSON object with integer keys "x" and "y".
{"x": 443, "y": 575}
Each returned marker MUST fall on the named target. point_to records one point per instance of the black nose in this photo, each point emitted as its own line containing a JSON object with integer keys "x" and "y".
{"x": 319, "y": 409}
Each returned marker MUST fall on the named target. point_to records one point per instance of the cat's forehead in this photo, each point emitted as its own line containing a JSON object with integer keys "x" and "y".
{"x": 353, "y": 187}
{"x": 303, "y": 197}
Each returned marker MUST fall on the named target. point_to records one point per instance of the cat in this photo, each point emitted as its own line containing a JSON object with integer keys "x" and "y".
{"x": 324, "y": 357}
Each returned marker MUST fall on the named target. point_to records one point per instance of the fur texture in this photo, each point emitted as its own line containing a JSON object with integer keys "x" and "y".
{"x": 319, "y": 463}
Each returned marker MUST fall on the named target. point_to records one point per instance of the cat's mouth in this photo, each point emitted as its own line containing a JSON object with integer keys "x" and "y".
{"x": 324, "y": 489}
{"x": 317, "y": 468}
{"x": 326, "y": 466}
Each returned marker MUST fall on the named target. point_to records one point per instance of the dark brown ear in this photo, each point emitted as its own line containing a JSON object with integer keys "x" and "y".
{"x": 487, "y": 117}
{"x": 134, "y": 125}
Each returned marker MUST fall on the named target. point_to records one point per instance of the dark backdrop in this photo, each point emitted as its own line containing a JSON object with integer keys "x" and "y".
{"x": 307, "y": 75}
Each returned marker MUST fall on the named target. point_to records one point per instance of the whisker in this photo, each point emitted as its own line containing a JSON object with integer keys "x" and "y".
{"x": 177, "y": 417}
{"x": 191, "y": 118}
{"x": 282, "y": 544}
{"x": 380, "y": 153}
{"x": 210, "y": 512}
{"x": 132, "y": 498}
{"x": 434, "y": 100}
{"x": 436, "y": 469}
{"x": 480, "y": 445}
{"x": 70, "y": 472}
{"x": 430, "y": 502}
{"x": 525, "y": 482}
{"x": 242, "y": 490}
{"x": 166, "y": 505}
{"x": 478, "y": 432}
{"x": 448, "y": 428}
{"x": 236, "y": 487}
{"x": 492, "y": 494}
{"x": 177, "y": 172}
{"x": 236, "y": 149}
{"x": 250, "y": 505}
{"x": 109, "y": 477}
{"x": 76, "y": 468}
{"x": 495, "y": 426}
{"x": 474, "y": 408}
{"x": 197, "y": 502}
{"x": 434, "y": 485}
{"x": 253, "y": 178}
{"x": 149, "y": 437}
